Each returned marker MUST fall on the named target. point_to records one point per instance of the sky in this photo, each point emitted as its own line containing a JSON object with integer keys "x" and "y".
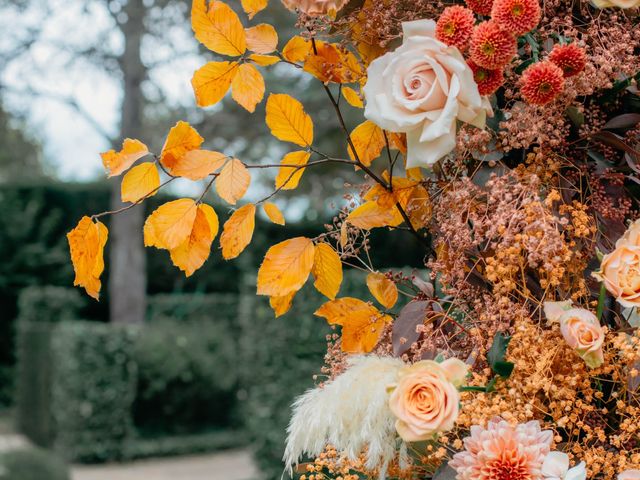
{"x": 39, "y": 83}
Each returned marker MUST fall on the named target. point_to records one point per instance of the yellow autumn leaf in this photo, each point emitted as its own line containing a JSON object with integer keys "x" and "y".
{"x": 368, "y": 140}
{"x": 352, "y": 97}
{"x": 327, "y": 270}
{"x": 182, "y": 138}
{"x": 171, "y": 224}
{"x": 142, "y": 181}
{"x": 288, "y": 121}
{"x": 344, "y": 234}
{"x": 382, "y": 289}
{"x": 247, "y": 88}
{"x": 371, "y": 215}
{"x": 263, "y": 60}
{"x": 198, "y": 164}
{"x": 362, "y": 323}
{"x": 286, "y": 267}
{"x": 211, "y": 82}
{"x": 233, "y": 181}
{"x": 289, "y": 175}
{"x": 251, "y": 7}
{"x": 117, "y": 162}
{"x": 86, "y": 244}
{"x": 297, "y": 49}
{"x": 330, "y": 62}
{"x": 238, "y": 231}
{"x": 191, "y": 254}
{"x": 281, "y": 305}
{"x": 274, "y": 213}
{"x": 218, "y": 27}
{"x": 262, "y": 38}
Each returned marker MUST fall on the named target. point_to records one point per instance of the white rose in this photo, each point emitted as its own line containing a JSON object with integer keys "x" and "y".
{"x": 421, "y": 89}
{"x": 556, "y": 467}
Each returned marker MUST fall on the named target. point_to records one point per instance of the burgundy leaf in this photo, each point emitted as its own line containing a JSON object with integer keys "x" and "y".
{"x": 404, "y": 328}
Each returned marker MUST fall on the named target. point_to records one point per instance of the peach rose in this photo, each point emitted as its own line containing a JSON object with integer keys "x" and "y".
{"x": 422, "y": 89}
{"x": 629, "y": 475}
{"x": 620, "y": 269}
{"x": 425, "y": 400}
{"x": 616, "y": 3}
{"x": 581, "y": 330}
{"x": 315, "y": 8}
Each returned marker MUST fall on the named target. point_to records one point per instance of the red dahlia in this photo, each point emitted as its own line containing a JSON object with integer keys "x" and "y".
{"x": 516, "y": 16}
{"x": 492, "y": 47}
{"x": 488, "y": 81}
{"x": 541, "y": 82}
{"x": 454, "y": 26}
{"x": 481, "y": 7}
{"x": 570, "y": 58}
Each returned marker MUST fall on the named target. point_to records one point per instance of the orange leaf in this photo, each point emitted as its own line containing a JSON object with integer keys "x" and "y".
{"x": 86, "y": 244}
{"x": 368, "y": 141}
{"x": 191, "y": 254}
{"x": 289, "y": 176}
{"x": 247, "y": 88}
{"x": 333, "y": 63}
{"x": 274, "y": 213}
{"x": 286, "y": 267}
{"x": 262, "y": 38}
{"x": 218, "y": 27}
{"x": 281, "y": 305}
{"x": 288, "y": 121}
{"x": 264, "y": 60}
{"x": 142, "y": 181}
{"x": 297, "y": 49}
{"x": 237, "y": 231}
{"x": 327, "y": 270}
{"x": 198, "y": 164}
{"x": 117, "y": 162}
{"x": 383, "y": 289}
{"x": 344, "y": 234}
{"x": 233, "y": 181}
{"x": 212, "y": 81}
{"x": 251, "y": 7}
{"x": 182, "y": 138}
{"x": 362, "y": 323}
{"x": 171, "y": 224}
{"x": 352, "y": 97}
{"x": 371, "y": 215}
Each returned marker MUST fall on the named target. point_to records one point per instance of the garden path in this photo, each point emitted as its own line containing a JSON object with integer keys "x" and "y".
{"x": 228, "y": 465}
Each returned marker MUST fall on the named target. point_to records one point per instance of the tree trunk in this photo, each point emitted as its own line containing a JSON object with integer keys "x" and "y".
{"x": 128, "y": 274}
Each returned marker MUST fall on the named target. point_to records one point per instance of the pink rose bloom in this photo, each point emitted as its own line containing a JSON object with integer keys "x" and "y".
{"x": 315, "y": 8}
{"x": 629, "y": 475}
{"x": 425, "y": 399}
{"x": 620, "y": 269}
{"x": 422, "y": 89}
{"x": 503, "y": 451}
{"x": 581, "y": 330}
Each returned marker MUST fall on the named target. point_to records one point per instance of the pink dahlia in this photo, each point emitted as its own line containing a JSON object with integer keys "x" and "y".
{"x": 503, "y": 452}
{"x": 454, "y": 26}
{"x": 315, "y": 8}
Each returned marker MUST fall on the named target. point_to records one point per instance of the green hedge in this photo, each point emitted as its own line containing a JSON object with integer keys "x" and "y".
{"x": 94, "y": 378}
{"x": 281, "y": 357}
{"x": 32, "y": 464}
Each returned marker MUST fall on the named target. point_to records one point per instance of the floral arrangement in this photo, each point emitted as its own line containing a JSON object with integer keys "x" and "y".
{"x": 504, "y": 135}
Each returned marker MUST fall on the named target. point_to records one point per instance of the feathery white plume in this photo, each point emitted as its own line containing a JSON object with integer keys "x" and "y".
{"x": 351, "y": 413}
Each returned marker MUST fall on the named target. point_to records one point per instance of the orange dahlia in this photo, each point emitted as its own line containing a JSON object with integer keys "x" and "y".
{"x": 454, "y": 26}
{"x": 516, "y": 16}
{"x": 541, "y": 82}
{"x": 488, "y": 80}
{"x": 492, "y": 47}
{"x": 570, "y": 58}
{"x": 481, "y": 7}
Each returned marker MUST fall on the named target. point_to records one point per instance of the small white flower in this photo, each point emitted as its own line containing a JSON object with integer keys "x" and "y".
{"x": 556, "y": 467}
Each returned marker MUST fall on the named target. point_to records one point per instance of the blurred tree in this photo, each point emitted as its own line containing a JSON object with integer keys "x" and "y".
{"x": 20, "y": 155}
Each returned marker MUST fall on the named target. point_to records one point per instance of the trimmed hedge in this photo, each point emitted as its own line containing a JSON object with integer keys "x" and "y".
{"x": 281, "y": 357}
{"x": 32, "y": 464}
{"x": 94, "y": 378}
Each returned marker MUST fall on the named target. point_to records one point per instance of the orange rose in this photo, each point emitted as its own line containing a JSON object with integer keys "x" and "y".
{"x": 425, "y": 400}
{"x": 315, "y": 8}
{"x": 620, "y": 269}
